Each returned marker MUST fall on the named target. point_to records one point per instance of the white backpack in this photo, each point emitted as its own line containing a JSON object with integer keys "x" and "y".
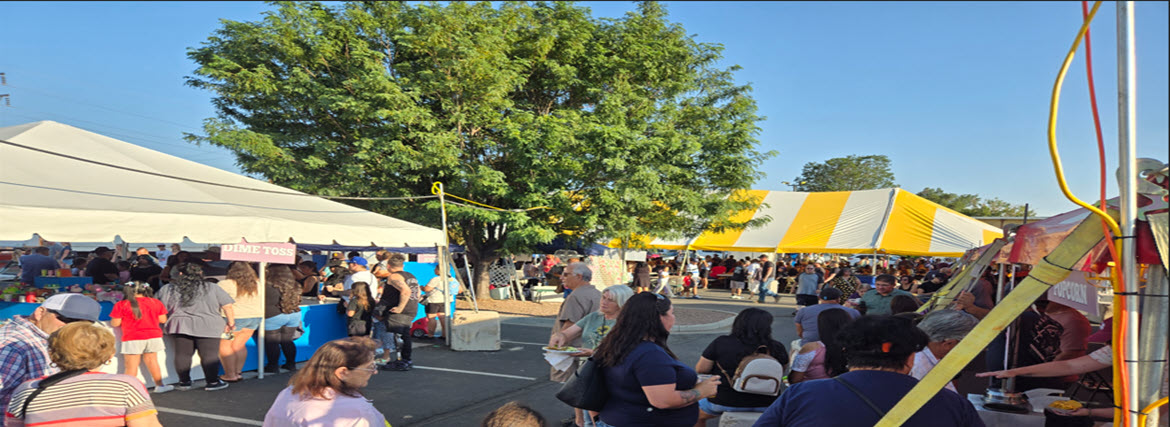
{"x": 758, "y": 373}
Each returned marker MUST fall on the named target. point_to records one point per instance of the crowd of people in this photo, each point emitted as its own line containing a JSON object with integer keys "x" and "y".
{"x": 861, "y": 343}
{"x": 168, "y": 293}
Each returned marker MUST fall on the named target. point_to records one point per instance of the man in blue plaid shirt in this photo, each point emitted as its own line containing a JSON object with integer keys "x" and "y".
{"x": 24, "y": 341}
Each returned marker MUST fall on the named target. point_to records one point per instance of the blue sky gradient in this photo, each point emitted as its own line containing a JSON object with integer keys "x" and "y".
{"x": 955, "y": 93}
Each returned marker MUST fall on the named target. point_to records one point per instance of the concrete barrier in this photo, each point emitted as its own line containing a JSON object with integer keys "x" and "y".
{"x": 475, "y": 331}
{"x": 739, "y": 419}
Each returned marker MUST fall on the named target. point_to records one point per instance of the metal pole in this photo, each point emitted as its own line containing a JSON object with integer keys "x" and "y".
{"x": 1127, "y": 157}
{"x": 470, "y": 284}
{"x": 260, "y": 347}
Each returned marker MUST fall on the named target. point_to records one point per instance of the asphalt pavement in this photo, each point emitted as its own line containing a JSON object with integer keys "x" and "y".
{"x": 448, "y": 388}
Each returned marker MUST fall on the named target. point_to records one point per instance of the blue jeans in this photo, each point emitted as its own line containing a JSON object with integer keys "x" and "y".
{"x": 291, "y": 320}
{"x": 717, "y": 409}
{"x": 385, "y": 337}
{"x": 764, "y": 291}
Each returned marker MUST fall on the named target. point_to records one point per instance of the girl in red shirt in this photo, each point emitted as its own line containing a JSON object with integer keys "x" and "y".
{"x": 139, "y": 316}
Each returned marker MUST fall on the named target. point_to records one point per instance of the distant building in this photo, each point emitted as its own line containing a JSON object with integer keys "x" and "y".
{"x": 1001, "y": 221}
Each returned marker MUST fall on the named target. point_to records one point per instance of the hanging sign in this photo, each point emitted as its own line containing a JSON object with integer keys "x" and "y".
{"x": 428, "y": 258}
{"x": 1076, "y": 292}
{"x": 273, "y": 253}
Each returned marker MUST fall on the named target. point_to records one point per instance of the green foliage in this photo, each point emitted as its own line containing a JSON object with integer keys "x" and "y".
{"x": 972, "y": 204}
{"x": 851, "y": 173}
{"x": 618, "y": 126}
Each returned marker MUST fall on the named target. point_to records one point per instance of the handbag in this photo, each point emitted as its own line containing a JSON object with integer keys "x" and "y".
{"x": 586, "y": 388}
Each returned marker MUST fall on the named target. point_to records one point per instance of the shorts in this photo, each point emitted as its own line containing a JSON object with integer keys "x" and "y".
{"x": 705, "y": 405}
{"x": 152, "y": 345}
{"x": 434, "y": 308}
{"x": 291, "y": 320}
{"x": 252, "y": 323}
{"x": 806, "y": 300}
{"x": 737, "y": 284}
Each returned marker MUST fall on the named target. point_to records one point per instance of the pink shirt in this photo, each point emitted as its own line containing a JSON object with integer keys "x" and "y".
{"x": 812, "y": 364}
{"x": 290, "y": 410}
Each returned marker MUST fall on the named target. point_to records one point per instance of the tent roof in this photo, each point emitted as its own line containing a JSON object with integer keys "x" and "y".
{"x": 70, "y": 199}
{"x": 888, "y": 221}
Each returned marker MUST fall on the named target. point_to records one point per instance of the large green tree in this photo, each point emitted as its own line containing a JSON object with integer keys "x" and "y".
{"x": 972, "y": 204}
{"x": 850, "y": 173}
{"x": 609, "y": 128}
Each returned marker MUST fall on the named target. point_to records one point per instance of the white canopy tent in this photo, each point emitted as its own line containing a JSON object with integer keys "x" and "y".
{"x": 49, "y": 186}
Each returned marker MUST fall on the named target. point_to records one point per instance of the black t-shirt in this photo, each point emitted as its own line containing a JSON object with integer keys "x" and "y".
{"x": 727, "y": 351}
{"x": 141, "y": 274}
{"x": 359, "y": 324}
{"x": 768, "y": 270}
{"x": 98, "y": 268}
{"x": 391, "y": 296}
{"x": 930, "y": 287}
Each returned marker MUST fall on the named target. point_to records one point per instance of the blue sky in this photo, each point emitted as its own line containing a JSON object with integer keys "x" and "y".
{"x": 955, "y": 93}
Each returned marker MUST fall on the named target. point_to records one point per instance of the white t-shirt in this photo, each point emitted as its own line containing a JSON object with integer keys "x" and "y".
{"x": 362, "y": 276}
{"x": 924, "y": 361}
{"x": 438, "y": 295}
{"x": 752, "y": 270}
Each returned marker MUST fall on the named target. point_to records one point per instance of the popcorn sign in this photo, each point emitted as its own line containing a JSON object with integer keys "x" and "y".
{"x": 273, "y": 253}
{"x": 1076, "y": 292}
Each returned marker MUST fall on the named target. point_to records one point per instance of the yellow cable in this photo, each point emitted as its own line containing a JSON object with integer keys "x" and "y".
{"x": 435, "y": 190}
{"x": 1053, "y": 107}
{"x": 1142, "y": 416}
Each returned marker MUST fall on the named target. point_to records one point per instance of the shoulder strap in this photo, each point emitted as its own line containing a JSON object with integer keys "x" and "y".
{"x": 857, "y": 392}
{"x": 45, "y": 384}
{"x": 729, "y": 377}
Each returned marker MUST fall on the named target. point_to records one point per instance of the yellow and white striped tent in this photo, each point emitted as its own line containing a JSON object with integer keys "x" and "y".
{"x": 887, "y": 221}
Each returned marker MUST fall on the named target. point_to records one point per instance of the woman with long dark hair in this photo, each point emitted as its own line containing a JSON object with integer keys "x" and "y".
{"x": 824, "y": 358}
{"x": 647, "y": 384}
{"x": 751, "y": 330}
{"x": 282, "y": 311}
{"x": 194, "y": 322}
{"x": 243, "y": 285}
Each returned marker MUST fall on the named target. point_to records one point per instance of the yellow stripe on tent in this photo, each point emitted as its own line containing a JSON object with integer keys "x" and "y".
{"x": 989, "y": 236}
{"x": 814, "y": 224}
{"x": 910, "y": 226}
{"x": 729, "y": 238}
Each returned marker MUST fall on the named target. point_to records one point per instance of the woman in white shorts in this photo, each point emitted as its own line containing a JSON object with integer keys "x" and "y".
{"x": 139, "y": 316}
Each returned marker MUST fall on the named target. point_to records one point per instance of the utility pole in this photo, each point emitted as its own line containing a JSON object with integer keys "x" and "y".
{"x": 6, "y": 97}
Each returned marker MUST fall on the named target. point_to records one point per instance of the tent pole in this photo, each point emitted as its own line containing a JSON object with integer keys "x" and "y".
{"x": 1127, "y": 177}
{"x": 445, "y": 282}
{"x": 260, "y": 346}
{"x": 470, "y": 285}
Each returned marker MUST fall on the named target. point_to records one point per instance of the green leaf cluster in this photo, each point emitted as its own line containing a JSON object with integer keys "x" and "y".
{"x": 850, "y": 173}
{"x": 972, "y": 204}
{"x": 618, "y": 126}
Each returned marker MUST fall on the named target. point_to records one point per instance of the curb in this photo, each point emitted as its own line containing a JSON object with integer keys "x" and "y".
{"x": 707, "y": 327}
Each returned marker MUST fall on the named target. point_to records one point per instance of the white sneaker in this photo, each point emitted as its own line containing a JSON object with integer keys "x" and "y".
{"x": 159, "y": 389}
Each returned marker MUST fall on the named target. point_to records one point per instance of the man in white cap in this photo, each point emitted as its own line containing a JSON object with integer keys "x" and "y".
{"x": 24, "y": 340}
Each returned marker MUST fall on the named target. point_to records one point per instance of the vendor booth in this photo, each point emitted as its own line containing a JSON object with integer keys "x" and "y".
{"x": 68, "y": 184}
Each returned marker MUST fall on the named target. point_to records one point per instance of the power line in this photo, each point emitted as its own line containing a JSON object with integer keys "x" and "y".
{"x": 66, "y": 98}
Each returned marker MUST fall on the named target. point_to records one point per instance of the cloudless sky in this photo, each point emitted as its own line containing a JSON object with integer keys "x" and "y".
{"x": 955, "y": 93}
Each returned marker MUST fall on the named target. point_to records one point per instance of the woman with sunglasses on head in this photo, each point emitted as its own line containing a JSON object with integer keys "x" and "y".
{"x": 327, "y": 390}
{"x": 647, "y": 384}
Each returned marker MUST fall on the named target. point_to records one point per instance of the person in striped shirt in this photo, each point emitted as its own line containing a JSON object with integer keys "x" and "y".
{"x": 79, "y": 395}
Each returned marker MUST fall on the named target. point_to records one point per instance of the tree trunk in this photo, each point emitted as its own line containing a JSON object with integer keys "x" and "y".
{"x": 482, "y": 267}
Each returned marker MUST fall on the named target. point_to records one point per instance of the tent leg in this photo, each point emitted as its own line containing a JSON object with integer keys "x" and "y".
{"x": 260, "y": 342}
{"x": 470, "y": 283}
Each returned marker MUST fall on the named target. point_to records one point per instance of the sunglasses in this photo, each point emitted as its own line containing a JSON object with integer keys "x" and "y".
{"x": 64, "y": 319}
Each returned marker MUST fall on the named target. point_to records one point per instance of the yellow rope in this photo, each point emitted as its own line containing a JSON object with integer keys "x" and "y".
{"x": 435, "y": 190}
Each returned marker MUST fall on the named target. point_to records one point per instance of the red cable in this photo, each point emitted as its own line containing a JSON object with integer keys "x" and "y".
{"x": 1119, "y": 316}
{"x": 1093, "y": 101}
